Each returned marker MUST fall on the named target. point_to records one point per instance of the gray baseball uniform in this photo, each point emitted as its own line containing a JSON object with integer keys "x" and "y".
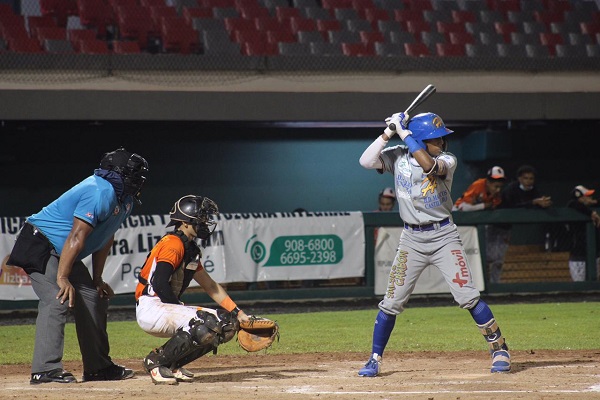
{"x": 429, "y": 236}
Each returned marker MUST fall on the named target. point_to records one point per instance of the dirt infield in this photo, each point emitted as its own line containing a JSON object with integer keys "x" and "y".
{"x": 535, "y": 375}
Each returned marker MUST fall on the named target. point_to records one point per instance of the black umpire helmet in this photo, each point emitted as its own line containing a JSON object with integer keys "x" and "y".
{"x": 196, "y": 211}
{"x": 132, "y": 168}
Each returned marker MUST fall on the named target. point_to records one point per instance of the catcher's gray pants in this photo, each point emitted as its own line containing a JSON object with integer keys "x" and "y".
{"x": 90, "y": 320}
{"x": 441, "y": 248}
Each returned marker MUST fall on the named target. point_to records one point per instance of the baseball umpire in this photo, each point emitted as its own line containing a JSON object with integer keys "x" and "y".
{"x": 50, "y": 247}
{"x": 166, "y": 274}
{"x": 423, "y": 172}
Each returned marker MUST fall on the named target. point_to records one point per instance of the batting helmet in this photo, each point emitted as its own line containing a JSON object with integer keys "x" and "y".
{"x": 132, "y": 168}
{"x": 196, "y": 211}
{"x": 427, "y": 126}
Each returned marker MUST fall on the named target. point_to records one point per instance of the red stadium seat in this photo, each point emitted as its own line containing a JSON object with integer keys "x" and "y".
{"x": 280, "y": 36}
{"x": 93, "y": 47}
{"x": 417, "y": 49}
{"x": 239, "y": 24}
{"x": 374, "y": 15}
{"x": 371, "y": 37}
{"x": 60, "y": 10}
{"x": 35, "y": 22}
{"x": 75, "y": 36}
{"x": 24, "y": 45}
{"x": 135, "y": 23}
{"x": 418, "y": 5}
{"x": 416, "y": 27}
{"x": 285, "y": 13}
{"x": 448, "y": 27}
{"x": 358, "y": 50}
{"x": 246, "y": 35}
{"x": 178, "y": 37}
{"x": 254, "y": 12}
{"x": 302, "y": 24}
{"x": 332, "y": 4}
{"x": 450, "y": 50}
{"x": 260, "y": 48}
{"x": 158, "y": 12}
{"x": 216, "y": 3}
{"x": 505, "y": 29}
{"x": 270, "y": 24}
{"x": 96, "y": 15}
{"x": 328, "y": 25}
{"x": 190, "y": 13}
{"x": 51, "y": 33}
{"x": 461, "y": 38}
{"x": 126, "y": 47}
{"x": 463, "y": 16}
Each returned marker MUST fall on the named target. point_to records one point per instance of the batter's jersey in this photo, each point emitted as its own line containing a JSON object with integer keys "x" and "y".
{"x": 421, "y": 198}
{"x": 169, "y": 249}
{"x": 94, "y": 201}
{"x": 478, "y": 194}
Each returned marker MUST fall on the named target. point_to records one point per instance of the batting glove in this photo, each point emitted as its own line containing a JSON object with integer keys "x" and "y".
{"x": 395, "y": 122}
{"x": 404, "y": 133}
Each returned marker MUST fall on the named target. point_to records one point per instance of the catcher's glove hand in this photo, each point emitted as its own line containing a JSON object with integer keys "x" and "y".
{"x": 258, "y": 333}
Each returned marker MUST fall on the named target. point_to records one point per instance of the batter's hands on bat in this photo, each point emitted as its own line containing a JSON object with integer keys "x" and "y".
{"x": 66, "y": 291}
{"x": 395, "y": 122}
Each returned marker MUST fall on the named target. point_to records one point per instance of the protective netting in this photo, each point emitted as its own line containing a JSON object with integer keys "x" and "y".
{"x": 182, "y": 42}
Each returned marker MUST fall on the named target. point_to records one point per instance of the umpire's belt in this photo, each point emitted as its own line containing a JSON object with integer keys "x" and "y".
{"x": 428, "y": 227}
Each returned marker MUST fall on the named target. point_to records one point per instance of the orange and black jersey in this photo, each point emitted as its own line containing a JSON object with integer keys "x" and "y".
{"x": 164, "y": 273}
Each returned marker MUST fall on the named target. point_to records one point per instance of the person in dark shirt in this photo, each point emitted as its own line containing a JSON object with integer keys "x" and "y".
{"x": 523, "y": 193}
{"x": 582, "y": 201}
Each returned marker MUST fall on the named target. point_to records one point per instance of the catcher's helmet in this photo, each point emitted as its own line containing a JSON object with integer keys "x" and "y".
{"x": 132, "y": 168}
{"x": 197, "y": 211}
{"x": 427, "y": 126}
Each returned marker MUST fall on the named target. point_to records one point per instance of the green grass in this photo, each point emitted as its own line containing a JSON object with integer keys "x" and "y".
{"x": 550, "y": 326}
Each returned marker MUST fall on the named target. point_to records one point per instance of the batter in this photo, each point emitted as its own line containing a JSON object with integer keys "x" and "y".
{"x": 423, "y": 172}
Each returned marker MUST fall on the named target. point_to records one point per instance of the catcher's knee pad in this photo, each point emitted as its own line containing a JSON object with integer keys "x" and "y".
{"x": 205, "y": 329}
{"x": 491, "y": 333}
{"x": 176, "y": 348}
{"x": 229, "y": 325}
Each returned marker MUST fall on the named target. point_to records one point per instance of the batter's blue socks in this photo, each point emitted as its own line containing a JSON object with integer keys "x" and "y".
{"x": 481, "y": 313}
{"x": 384, "y": 324}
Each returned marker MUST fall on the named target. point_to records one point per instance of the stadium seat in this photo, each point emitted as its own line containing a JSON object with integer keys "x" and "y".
{"x": 158, "y": 12}
{"x": 358, "y": 50}
{"x": 401, "y": 37}
{"x": 371, "y": 37}
{"x": 75, "y": 36}
{"x": 374, "y": 15}
{"x": 416, "y": 49}
{"x": 246, "y": 35}
{"x": 537, "y": 51}
{"x": 490, "y": 17}
{"x": 389, "y": 49}
{"x": 461, "y": 38}
{"x": 558, "y": 6}
{"x": 406, "y": 16}
{"x": 550, "y": 40}
{"x": 475, "y": 28}
{"x": 511, "y": 50}
{"x": 434, "y": 16}
{"x": 58, "y": 46}
{"x": 534, "y": 27}
{"x": 120, "y": 47}
{"x": 135, "y": 23}
{"x": 333, "y": 4}
{"x": 447, "y": 27}
{"x": 254, "y": 12}
{"x": 524, "y": 38}
{"x": 326, "y": 49}
{"x": 430, "y": 39}
{"x": 218, "y": 42}
{"x": 418, "y": 5}
{"x": 302, "y": 24}
{"x": 389, "y": 5}
{"x": 305, "y": 3}
{"x": 505, "y": 29}
{"x": 325, "y": 26}
{"x": 358, "y": 25}
{"x": 94, "y": 46}
{"x": 450, "y": 50}
{"x": 260, "y": 48}
{"x": 593, "y": 50}
{"x": 294, "y": 49}
{"x": 471, "y": 5}
{"x": 490, "y": 38}
{"x": 216, "y": 3}
{"x": 96, "y": 15}
{"x": 51, "y": 33}
{"x": 532, "y": 5}
{"x": 13, "y": 26}
{"x": 343, "y": 36}
{"x": 310, "y": 36}
{"x": 480, "y": 50}
{"x": 60, "y": 10}
{"x": 444, "y": 5}
{"x": 191, "y": 13}
{"x": 225, "y": 12}
{"x": 270, "y": 23}
{"x": 284, "y": 14}
{"x": 239, "y": 24}
{"x": 36, "y": 21}
{"x": 208, "y": 24}
{"x": 316, "y": 13}
{"x": 280, "y": 36}
{"x": 590, "y": 28}
{"x": 504, "y": 6}
{"x": 344, "y": 14}
{"x": 577, "y": 39}
{"x": 518, "y": 17}
{"x": 24, "y": 45}
{"x": 562, "y": 50}
{"x": 152, "y": 3}
{"x": 547, "y": 17}
{"x": 462, "y": 16}
{"x": 177, "y": 37}
{"x": 416, "y": 27}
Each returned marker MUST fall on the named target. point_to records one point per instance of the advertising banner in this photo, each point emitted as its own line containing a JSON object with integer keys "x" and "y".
{"x": 244, "y": 248}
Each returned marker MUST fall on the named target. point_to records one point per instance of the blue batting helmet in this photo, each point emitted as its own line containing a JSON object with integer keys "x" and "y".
{"x": 427, "y": 126}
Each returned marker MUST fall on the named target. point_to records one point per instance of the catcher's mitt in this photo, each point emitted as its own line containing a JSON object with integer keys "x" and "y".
{"x": 257, "y": 334}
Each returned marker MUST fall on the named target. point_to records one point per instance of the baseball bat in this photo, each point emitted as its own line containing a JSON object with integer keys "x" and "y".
{"x": 424, "y": 95}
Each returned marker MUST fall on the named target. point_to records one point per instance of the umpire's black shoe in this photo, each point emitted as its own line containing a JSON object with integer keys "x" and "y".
{"x": 111, "y": 373}
{"x": 58, "y": 375}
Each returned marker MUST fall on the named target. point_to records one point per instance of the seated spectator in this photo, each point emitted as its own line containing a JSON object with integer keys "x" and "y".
{"x": 582, "y": 201}
{"x": 387, "y": 199}
{"x": 485, "y": 194}
{"x": 523, "y": 192}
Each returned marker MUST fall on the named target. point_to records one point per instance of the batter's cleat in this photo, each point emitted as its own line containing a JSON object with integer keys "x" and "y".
{"x": 372, "y": 368}
{"x": 113, "y": 372}
{"x": 500, "y": 361}
{"x": 57, "y": 375}
{"x": 162, "y": 376}
{"x": 183, "y": 375}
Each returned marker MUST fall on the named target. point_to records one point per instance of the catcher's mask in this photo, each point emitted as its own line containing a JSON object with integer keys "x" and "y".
{"x": 132, "y": 168}
{"x": 196, "y": 211}
{"x": 428, "y": 126}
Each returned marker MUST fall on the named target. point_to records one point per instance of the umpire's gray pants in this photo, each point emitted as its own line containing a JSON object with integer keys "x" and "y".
{"x": 90, "y": 313}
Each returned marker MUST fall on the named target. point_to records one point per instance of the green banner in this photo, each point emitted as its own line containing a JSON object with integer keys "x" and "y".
{"x": 289, "y": 251}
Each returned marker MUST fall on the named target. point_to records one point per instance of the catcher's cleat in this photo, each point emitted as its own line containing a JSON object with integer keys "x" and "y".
{"x": 113, "y": 372}
{"x": 500, "y": 361}
{"x": 372, "y": 368}
{"x": 183, "y": 375}
{"x": 162, "y": 376}
{"x": 58, "y": 375}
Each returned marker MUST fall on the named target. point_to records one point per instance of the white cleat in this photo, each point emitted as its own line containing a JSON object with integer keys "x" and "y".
{"x": 162, "y": 376}
{"x": 183, "y": 375}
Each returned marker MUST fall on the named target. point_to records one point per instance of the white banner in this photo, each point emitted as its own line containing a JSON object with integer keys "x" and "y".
{"x": 244, "y": 248}
{"x": 431, "y": 280}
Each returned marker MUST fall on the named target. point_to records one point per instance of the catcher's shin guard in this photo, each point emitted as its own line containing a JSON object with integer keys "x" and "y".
{"x": 498, "y": 348}
{"x": 200, "y": 337}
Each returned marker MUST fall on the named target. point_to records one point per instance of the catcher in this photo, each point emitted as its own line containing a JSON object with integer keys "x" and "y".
{"x": 167, "y": 272}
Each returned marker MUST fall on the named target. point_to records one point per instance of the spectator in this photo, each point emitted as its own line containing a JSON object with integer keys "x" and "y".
{"x": 523, "y": 192}
{"x": 485, "y": 194}
{"x": 387, "y": 199}
{"x": 50, "y": 248}
{"x": 582, "y": 201}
